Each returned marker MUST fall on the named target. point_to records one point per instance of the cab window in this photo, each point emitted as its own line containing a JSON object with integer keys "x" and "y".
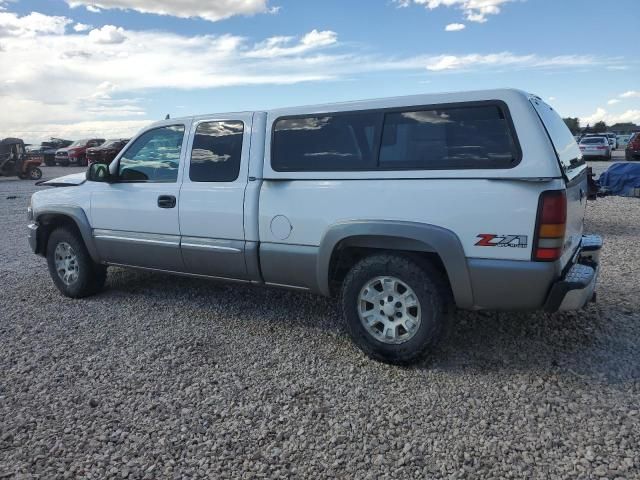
{"x": 216, "y": 152}
{"x": 154, "y": 156}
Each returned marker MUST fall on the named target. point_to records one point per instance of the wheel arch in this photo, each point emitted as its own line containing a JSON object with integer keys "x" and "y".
{"x": 429, "y": 241}
{"x": 62, "y": 216}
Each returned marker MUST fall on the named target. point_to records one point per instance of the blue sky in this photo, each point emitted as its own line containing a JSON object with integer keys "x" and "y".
{"x": 90, "y": 66}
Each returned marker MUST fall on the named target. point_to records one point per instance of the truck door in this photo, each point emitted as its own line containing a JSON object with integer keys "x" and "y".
{"x": 135, "y": 219}
{"x": 212, "y": 196}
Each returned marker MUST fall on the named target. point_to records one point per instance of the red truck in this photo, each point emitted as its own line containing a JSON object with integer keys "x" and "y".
{"x": 77, "y": 152}
{"x": 106, "y": 152}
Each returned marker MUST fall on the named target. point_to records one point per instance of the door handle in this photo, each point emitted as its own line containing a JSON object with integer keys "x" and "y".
{"x": 166, "y": 201}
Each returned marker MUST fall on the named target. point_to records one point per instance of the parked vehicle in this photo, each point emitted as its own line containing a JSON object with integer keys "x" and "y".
{"x": 106, "y": 152}
{"x": 623, "y": 140}
{"x": 612, "y": 139}
{"x": 632, "y": 152}
{"x": 14, "y": 160}
{"x": 77, "y": 152}
{"x": 595, "y": 147}
{"x": 398, "y": 208}
{"x": 47, "y": 150}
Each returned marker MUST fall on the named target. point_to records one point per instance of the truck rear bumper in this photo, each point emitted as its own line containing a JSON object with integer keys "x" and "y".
{"x": 577, "y": 286}
{"x": 510, "y": 285}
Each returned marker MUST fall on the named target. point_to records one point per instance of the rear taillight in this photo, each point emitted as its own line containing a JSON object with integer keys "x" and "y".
{"x": 551, "y": 225}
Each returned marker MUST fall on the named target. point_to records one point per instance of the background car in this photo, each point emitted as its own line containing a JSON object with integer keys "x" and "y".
{"x": 632, "y": 152}
{"x": 623, "y": 140}
{"x": 106, "y": 152}
{"x": 77, "y": 152}
{"x": 595, "y": 147}
{"x": 48, "y": 150}
{"x": 611, "y": 138}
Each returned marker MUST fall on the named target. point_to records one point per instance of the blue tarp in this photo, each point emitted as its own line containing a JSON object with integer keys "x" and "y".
{"x": 621, "y": 179}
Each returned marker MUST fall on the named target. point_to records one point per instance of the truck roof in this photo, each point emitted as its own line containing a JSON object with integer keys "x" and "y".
{"x": 385, "y": 102}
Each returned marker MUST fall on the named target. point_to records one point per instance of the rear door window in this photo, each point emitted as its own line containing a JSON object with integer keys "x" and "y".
{"x": 565, "y": 145}
{"x": 217, "y": 151}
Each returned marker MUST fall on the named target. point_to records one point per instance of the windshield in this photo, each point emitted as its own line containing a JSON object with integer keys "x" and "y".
{"x": 79, "y": 143}
{"x": 593, "y": 140}
{"x": 110, "y": 144}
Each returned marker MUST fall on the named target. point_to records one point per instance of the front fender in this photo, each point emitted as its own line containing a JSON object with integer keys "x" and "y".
{"x": 48, "y": 215}
{"x": 398, "y": 235}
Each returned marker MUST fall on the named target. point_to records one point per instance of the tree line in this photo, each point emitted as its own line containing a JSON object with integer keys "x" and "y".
{"x": 599, "y": 127}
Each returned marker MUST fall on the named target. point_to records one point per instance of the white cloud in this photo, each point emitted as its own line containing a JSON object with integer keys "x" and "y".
{"x": 109, "y": 34}
{"x": 551, "y": 99}
{"x": 455, "y": 27}
{"x": 474, "y": 10}
{"x": 282, "y": 46}
{"x": 12, "y": 25}
{"x": 630, "y": 94}
{"x": 611, "y": 118}
{"x": 81, "y": 27}
{"x": 505, "y": 59}
{"x": 104, "y": 76}
{"x": 613, "y": 101}
{"x": 212, "y": 10}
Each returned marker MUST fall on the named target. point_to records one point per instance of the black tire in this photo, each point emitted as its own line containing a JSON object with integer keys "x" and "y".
{"x": 34, "y": 173}
{"x": 429, "y": 287}
{"x": 50, "y": 163}
{"x": 90, "y": 275}
{"x": 63, "y": 163}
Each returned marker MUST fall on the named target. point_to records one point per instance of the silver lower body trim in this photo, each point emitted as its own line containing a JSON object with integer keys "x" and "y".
{"x": 181, "y": 274}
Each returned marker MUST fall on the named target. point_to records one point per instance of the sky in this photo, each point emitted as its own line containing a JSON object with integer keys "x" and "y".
{"x": 106, "y": 68}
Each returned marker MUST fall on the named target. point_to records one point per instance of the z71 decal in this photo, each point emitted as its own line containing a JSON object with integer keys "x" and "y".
{"x": 491, "y": 240}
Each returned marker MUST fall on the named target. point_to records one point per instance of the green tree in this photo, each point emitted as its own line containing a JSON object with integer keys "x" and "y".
{"x": 573, "y": 124}
{"x": 600, "y": 127}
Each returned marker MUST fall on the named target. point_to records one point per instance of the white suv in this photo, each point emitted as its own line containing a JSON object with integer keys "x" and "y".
{"x": 399, "y": 208}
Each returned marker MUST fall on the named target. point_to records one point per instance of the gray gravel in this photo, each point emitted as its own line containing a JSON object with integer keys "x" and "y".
{"x": 162, "y": 377}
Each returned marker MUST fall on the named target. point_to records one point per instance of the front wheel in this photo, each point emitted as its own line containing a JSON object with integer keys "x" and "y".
{"x": 35, "y": 173}
{"x": 73, "y": 271}
{"x": 394, "y": 307}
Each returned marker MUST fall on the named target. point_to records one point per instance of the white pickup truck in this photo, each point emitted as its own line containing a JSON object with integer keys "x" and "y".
{"x": 399, "y": 208}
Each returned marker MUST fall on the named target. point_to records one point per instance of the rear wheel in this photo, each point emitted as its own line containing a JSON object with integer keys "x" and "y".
{"x": 73, "y": 271}
{"x": 394, "y": 308}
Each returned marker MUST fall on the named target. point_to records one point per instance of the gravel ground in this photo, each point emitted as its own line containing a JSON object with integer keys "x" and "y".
{"x": 162, "y": 377}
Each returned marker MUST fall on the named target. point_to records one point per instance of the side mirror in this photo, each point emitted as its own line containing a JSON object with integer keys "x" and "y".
{"x": 99, "y": 172}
